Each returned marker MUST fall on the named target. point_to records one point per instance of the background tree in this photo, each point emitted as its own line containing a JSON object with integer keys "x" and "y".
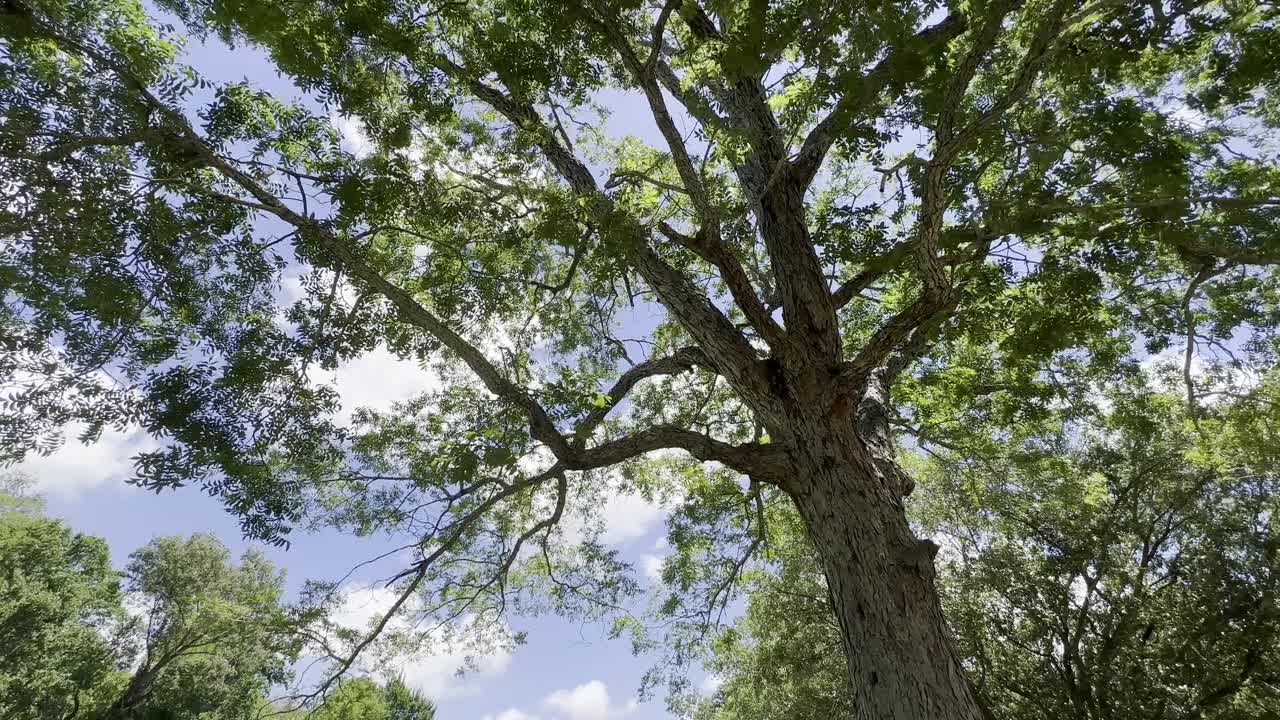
{"x": 974, "y": 198}
{"x": 405, "y": 703}
{"x": 203, "y": 637}
{"x": 782, "y": 657}
{"x": 60, "y": 615}
{"x": 363, "y": 699}
{"x": 356, "y": 699}
{"x": 1121, "y": 566}
{"x": 214, "y": 637}
{"x": 16, "y": 496}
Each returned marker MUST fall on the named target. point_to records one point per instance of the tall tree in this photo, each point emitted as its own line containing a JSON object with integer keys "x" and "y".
{"x": 847, "y": 197}
{"x": 1123, "y": 566}
{"x": 60, "y": 616}
{"x": 363, "y": 699}
{"x": 214, "y": 636}
{"x": 405, "y": 703}
{"x": 201, "y": 636}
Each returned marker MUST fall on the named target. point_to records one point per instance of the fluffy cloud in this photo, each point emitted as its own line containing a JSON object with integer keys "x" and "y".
{"x": 351, "y": 131}
{"x": 511, "y": 714}
{"x": 652, "y": 566}
{"x": 434, "y": 670}
{"x": 627, "y": 517}
{"x": 622, "y": 516}
{"x": 75, "y": 467}
{"x": 588, "y": 701}
{"x": 1169, "y": 363}
{"x": 377, "y": 379}
{"x": 374, "y": 380}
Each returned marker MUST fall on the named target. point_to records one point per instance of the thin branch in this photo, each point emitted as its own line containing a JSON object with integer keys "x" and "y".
{"x": 850, "y": 288}
{"x": 700, "y": 317}
{"x": 410, "y": 309}
{"x": 659, "y": 30}
{"x": 642, "y": 75}
{"x": 418, "y": 571}
{"x": 578, "y": 253}
{"x": 866, "y": 90}
{"x": 1207, "y": 272}
{"x": 64, "y": 149}
{"x": 620, "y": 176}
{"x": 711, "y": 248}
{"x": 682, "y": 360}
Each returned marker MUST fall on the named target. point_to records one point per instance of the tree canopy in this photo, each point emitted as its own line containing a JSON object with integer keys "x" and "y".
{"x": 214, "y": 636}
{"x": 863, "y": 222}
{"x": 363, "y": 699}
{"x": 1125, "y": 567}
{"x": 61, "y": 617}
{"x": 183, "y": 633}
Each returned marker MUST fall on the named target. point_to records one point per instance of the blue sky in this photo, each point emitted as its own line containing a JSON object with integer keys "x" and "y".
{"x": 566, "y": 670}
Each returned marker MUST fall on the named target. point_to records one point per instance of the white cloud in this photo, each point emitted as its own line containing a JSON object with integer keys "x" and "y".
{"x": 588, "y": 701}
{"x": 374, "y": 380}
{"x": 136, "y": 610}
{"x": 360, "y": 607}
{"x": 351, "y": 130}
{"x": 652, "y": 566}
{"x": 511, "y": 714}
{"x": 76, "y": 467}
{"x": 620, "y": 517}
{"x": 379, "y": 378}
{"x": 436, "y": 675}
{"x": 711, "y": 683}
{"x": 433, "y": 670}
{"x": 1171, "y": 358}
{"x": 620, "y": 514}
{"x": 539, "y": 460}
{"x": 293, "y": 287}
{"x": 627, "y": 517}
{"x": 1168, "y": 365}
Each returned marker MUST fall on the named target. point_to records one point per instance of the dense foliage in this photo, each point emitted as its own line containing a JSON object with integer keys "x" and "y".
{"x": 182, "y": 634}
{"x": 363, "y": 699}
{"x": 1123, "y": 565}
{"x": 62, "y": 622}
{"x": 213, "y": 635}
{"x": 860, "y": 223}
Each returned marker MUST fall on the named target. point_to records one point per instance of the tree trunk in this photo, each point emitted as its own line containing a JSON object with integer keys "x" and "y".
{"x": 133, "y": 695}
{"x": 903, "y": 664}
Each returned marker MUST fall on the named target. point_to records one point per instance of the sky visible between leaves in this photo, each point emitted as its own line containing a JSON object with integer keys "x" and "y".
{"x": 565, "y": 671}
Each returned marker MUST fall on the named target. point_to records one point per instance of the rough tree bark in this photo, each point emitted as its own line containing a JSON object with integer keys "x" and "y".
{"x": 901, "y": 658}
{"x": 828, "y": 411}
{"x": 849, "y": 490}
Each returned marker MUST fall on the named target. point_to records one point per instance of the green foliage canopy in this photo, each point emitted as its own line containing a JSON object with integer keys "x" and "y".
{"x": 182, "y": 633}
{"x": 1120, "y": 565}
{"x": 908, "y": 211}
{"x": 61, "y": 619}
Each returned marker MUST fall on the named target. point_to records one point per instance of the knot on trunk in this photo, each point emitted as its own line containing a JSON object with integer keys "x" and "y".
{"x": 919, "y": 556}
{"x": 897, "y": 479}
